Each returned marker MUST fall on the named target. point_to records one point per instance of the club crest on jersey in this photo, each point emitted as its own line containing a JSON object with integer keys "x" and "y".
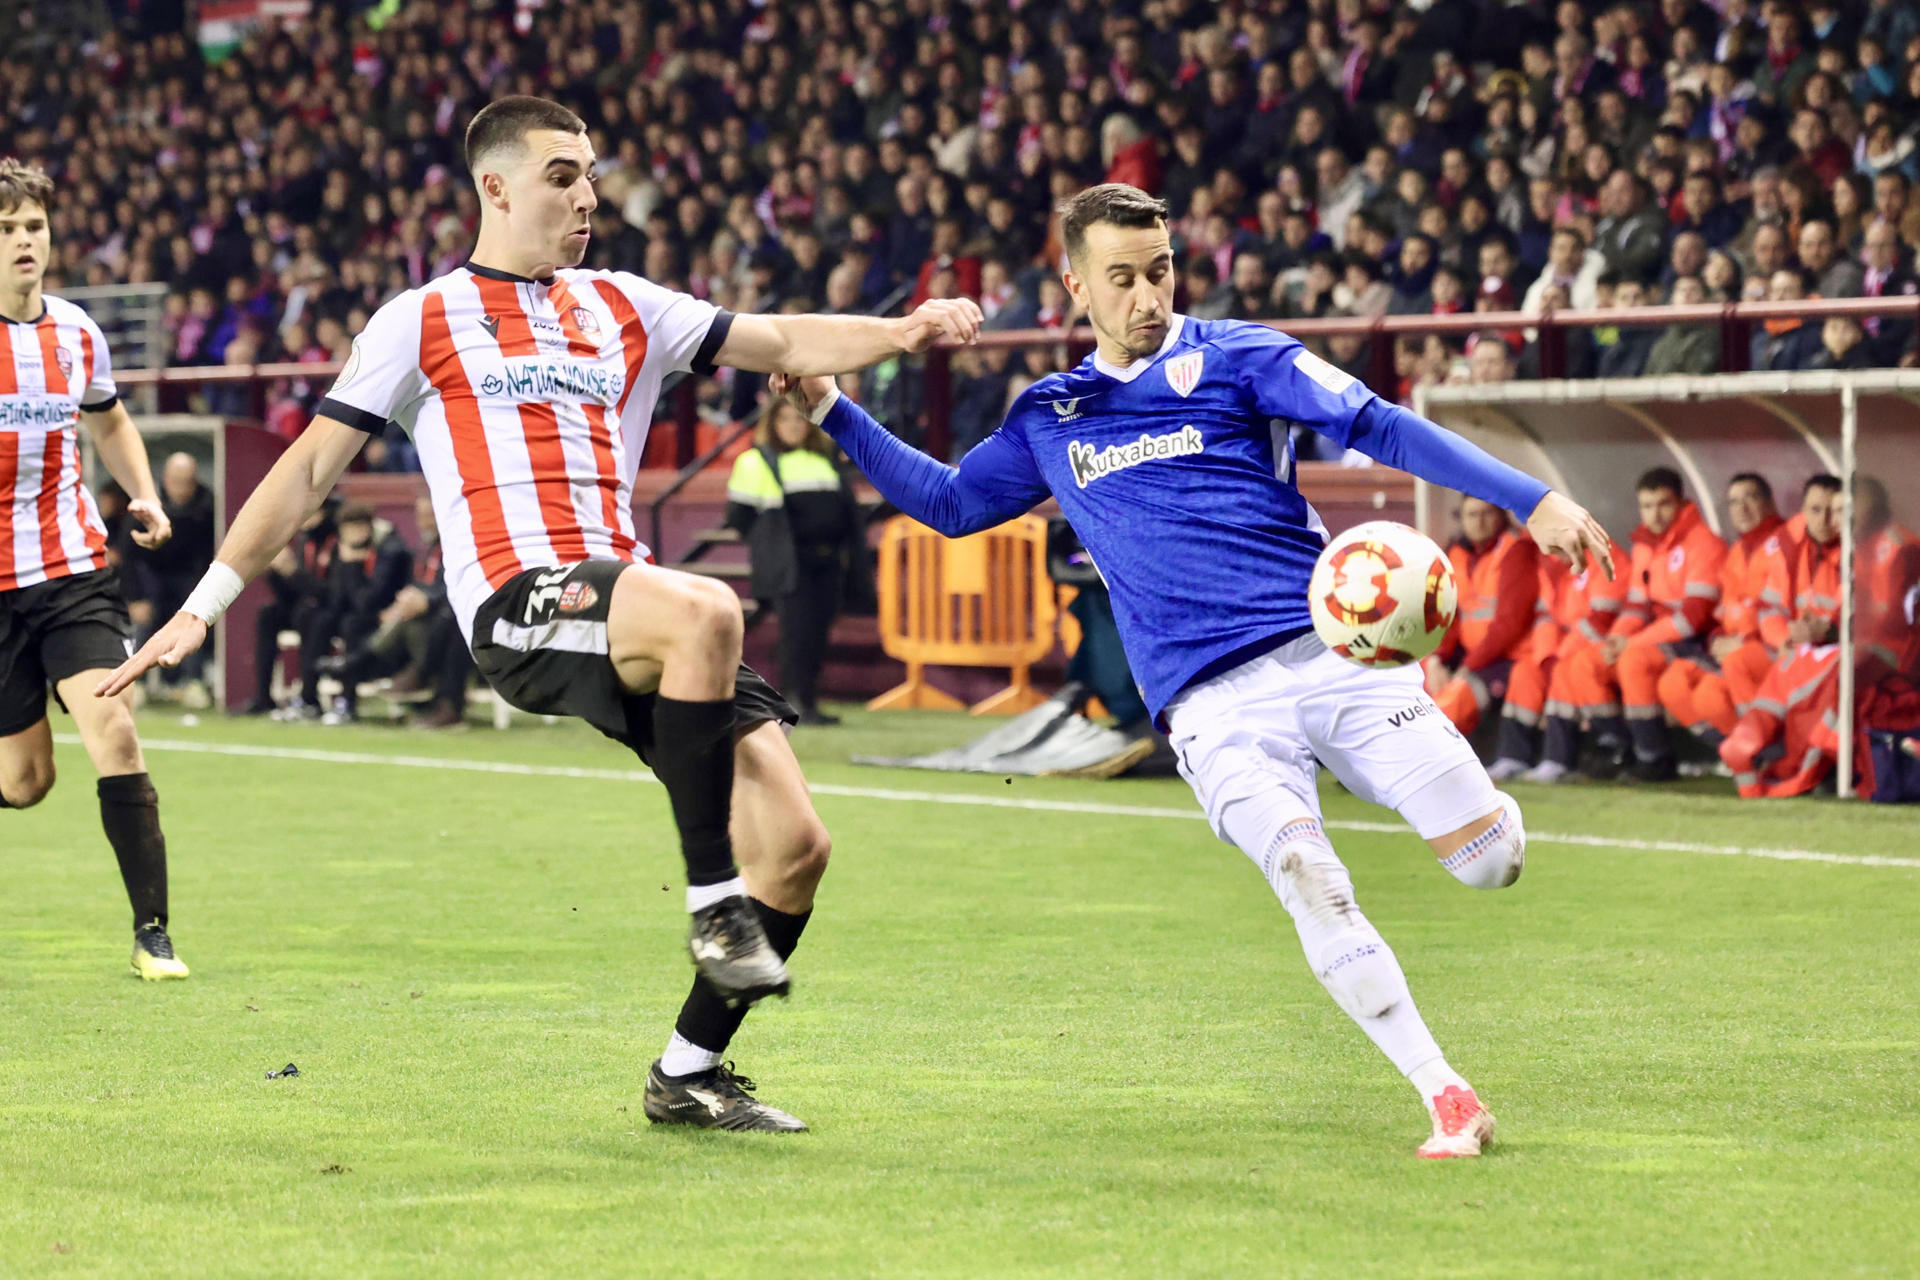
{"x": 1676, "y": 558}
{"x": 63, "y": 358}
{"x": 578, "y": 597}
{"x": 583, "y": 320}
{"x": 1183, "y": 372}
{"x": 1067, "y": 409}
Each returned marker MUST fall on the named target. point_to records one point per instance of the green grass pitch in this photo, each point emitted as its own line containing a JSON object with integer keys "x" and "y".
{"x": 1031, "y": 1042}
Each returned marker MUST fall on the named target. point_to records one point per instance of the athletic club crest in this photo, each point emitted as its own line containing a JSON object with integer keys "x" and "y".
{"x": 1183, "y": 372}
{"x": 63, "y": 358}
{"x": 583, "y": 320}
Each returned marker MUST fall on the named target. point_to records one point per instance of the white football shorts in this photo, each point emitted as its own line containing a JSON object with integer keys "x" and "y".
{"x": 1265, "y": 723}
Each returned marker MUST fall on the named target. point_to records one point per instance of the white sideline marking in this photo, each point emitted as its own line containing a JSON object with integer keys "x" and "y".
{"x": 320, "y": 756}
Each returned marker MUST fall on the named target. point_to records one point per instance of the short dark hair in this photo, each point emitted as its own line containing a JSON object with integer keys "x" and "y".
{"x": 1822, "y": 480}
{"x": 1113, "y": 203}
{"x": 1661, "y": 478}
{"x": 21, "y": 182}
{"x": 1755, "y": 479}
{"x": 354, "y": 513}
{"x": 506, "y": 121}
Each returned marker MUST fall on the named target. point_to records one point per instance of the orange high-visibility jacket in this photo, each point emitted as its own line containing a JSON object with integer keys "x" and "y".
{"x": 1808, "y": 586}
{"x": 1576, "y": 608}
{"x": 1675, "y": 584}
{"x": 1887, "y": 564}
{"x": 1744, "y": 577}
{"x": 1499, "y": 586}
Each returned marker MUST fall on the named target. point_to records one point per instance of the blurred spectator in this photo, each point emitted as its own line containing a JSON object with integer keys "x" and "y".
{"x": 297, "y": 577}
{"x": 417, "y": 641}
{"x": 1621, "y": 350}
{"x": 1685, "y": 348}
{"x": 1834, "y": 276}
{"x": 793, "y": 501}
{"x": 750, "y": 155}
{"x": 1786, "y": 342}
{"x": 1569, "y": 264}
{"x": 158, "y": 580}
{"x": 371, "y": 564}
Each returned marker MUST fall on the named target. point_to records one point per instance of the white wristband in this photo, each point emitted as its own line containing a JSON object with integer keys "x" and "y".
{"x": 818, "y": 414}
{"x": 219, "y": 587}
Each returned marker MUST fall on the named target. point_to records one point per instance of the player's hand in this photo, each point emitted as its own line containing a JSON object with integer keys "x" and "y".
{"x": 804, "y": 394}
{"x": 155, "y": 527}
{"x": 940, "y": 320}
{"x": 1564, "y": 528}
{"x": 1724, "y": 647}
{"x": 1611, "y": 648}
{"x": 167, "y": 647}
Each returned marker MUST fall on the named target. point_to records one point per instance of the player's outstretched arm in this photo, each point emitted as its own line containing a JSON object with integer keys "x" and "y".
{"x": 272, "y": 514}
{"x": 124, "y": 454}
{"x": 995, "y": 482}
{"x": 807, "y": 346}
{"x": 1401, "y": 438}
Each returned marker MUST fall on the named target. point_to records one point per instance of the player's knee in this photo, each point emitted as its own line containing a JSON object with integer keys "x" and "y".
{"x": 714, "y": 609}
{"x": 1493, "y": 858}
{"x": 807, "y": 857}
{"x": 27, "y": 785}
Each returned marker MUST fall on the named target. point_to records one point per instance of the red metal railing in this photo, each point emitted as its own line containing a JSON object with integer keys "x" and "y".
{"x": 1736, "y": 322}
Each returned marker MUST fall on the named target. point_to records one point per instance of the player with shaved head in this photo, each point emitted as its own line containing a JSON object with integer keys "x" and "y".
{"x": 527, "y": 385}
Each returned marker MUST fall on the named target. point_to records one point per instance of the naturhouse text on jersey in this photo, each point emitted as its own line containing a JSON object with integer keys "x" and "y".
{"x": 551, "y": 378}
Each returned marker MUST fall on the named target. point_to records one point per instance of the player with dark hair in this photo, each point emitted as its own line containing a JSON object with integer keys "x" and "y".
{"x": 1168, "y": 450}
{"x": 63, "y": 621}
{"x": 528, "y": 386}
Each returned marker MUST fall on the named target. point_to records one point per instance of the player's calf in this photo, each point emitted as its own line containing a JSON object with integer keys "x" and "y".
{"x": 26, "y": 766}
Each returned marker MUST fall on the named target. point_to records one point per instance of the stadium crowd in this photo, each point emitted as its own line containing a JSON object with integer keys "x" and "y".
{"x": 1321, "y": 157}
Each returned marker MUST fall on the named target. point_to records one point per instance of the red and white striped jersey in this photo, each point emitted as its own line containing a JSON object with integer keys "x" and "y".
{"x": 529, "y": 402}
{"x": 50, "y": 369}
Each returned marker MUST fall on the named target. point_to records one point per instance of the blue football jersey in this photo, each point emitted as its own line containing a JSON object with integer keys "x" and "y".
{"x": 1176, "y": 472}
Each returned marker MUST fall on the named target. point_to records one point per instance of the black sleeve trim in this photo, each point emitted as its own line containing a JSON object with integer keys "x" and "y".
{"x": 711, "y": 344}
{"x": 371, "y": 423}
{"x": 103, "y": 406}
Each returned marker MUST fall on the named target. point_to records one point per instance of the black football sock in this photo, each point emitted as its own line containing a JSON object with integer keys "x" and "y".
{"x": 705, "y": 1019}
{"x": 130, "y": 813}
{"x": 693, "y": 758}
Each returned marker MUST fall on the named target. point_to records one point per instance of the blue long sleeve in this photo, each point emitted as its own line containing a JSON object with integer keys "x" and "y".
{"x": 1401, "y": 438}
{"x": 995, "y": 482}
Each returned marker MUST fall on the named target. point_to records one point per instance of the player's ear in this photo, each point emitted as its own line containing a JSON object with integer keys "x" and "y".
{"x": 1074, "y": 285}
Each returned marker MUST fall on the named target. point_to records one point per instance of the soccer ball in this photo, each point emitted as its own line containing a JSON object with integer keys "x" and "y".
{"x": 1382, "y": 595}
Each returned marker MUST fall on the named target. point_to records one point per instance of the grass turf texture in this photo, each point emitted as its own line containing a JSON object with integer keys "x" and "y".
{"x": 1031, "y": 1043}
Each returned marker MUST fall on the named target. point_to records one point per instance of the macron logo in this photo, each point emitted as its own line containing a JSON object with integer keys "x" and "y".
{"x": 1089, "y": 464}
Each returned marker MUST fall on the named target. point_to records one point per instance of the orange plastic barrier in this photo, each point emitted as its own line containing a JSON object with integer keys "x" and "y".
{"x": 980, "y": 601}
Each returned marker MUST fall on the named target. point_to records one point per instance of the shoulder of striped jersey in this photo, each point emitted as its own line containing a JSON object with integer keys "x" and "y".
{"x": 65, "y": 312}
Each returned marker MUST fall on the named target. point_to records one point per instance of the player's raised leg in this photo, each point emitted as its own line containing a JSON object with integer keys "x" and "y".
{"x": 782, "y": 847}
{"x": 129, "y": 813}
{"x": 1380, "y": 734}
{"x": 1242, "y": 748}
{"x": 677, "y": 637}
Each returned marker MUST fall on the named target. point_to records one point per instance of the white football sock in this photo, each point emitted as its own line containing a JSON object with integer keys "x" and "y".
{"x": 1344, "y": 950}
{"x": 705, "y": 895}
{"x": 1436, "y": 1077}
{"x": 683, "y": 1057}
